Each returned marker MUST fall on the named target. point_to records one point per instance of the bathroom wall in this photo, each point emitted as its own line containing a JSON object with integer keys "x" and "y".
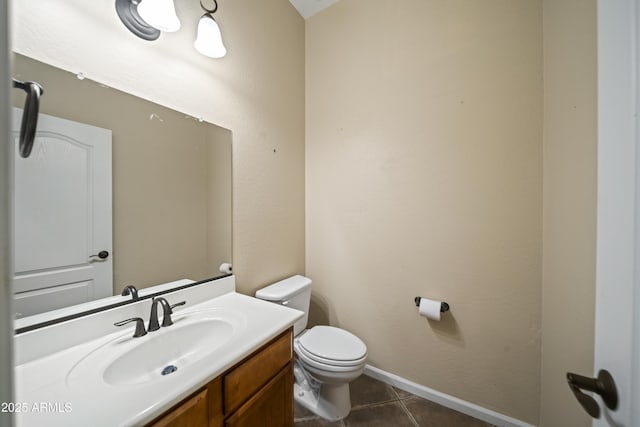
{"x": 569, "y": 212}
{"x": 424, "y": 177}
{"x": 256, "y": 91}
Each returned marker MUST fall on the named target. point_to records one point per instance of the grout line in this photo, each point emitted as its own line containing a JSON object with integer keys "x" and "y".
{"x": 375, "y": 405}
{"x": 303, "y": 419}
{"x": 393, "y": 390}
{"x": 368, "y": 405}
{"x": 409, "y": 414}
{"x": 388, "y": 402}
{"x": 394, "y": 398}
{"x": 309, "y": 418}
{"x": 299, "y": 420}
{"x": 400, "y": 397}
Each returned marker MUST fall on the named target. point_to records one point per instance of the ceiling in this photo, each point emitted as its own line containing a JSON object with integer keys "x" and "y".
{"x": 308, "y": 8}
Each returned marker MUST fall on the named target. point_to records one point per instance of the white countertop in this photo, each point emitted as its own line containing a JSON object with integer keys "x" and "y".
{"x": 50, "y": 396}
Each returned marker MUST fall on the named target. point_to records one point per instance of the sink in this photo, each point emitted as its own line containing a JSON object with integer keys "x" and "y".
{"x": 127, "y": 361}
{"x": 177, "y": 347}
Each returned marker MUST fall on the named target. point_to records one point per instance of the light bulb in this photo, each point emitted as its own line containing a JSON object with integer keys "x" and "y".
{"x": 209, "y": 39}
{"x": 160, "y": 14}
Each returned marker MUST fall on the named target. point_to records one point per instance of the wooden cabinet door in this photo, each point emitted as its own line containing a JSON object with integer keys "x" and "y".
{"x": 191, "y": 413}
{"x": 245, "y": 380}
{"x": 272, "y": 406}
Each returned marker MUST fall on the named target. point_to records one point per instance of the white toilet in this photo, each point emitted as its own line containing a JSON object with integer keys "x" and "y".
{"x": 328, "y": 358}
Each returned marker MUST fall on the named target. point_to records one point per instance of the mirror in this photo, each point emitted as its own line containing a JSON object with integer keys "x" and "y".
{"x": 169, "y": 191}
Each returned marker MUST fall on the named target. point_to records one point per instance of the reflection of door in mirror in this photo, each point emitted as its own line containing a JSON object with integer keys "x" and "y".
{"x": 62, "y": 211}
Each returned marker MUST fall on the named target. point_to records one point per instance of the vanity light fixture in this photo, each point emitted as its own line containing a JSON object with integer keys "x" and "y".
{"x": 209, "y": 38}
{"x": 147, "y": 18}
{"x": 160, "y": 14}
{"x": 128, "y": 13}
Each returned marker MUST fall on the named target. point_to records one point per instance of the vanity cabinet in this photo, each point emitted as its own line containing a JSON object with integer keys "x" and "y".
{"x": 271, "y": 406}
{"x": 191, "y": 412}
{"x": 258, "y": 391}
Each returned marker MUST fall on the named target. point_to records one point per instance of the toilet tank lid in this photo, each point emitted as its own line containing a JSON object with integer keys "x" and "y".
{"x": 284, "y": 289}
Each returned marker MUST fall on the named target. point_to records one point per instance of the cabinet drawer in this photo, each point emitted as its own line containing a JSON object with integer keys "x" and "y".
{"x": 247, "y": 378}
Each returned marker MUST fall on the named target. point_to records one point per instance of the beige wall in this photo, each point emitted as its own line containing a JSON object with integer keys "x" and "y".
{"x": 569, "y": 212}
{"x": 256, "y": 91}
{"x": 424, "y": 177}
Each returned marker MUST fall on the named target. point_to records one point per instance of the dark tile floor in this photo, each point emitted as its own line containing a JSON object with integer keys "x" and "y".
{"x": 374, "y": 403}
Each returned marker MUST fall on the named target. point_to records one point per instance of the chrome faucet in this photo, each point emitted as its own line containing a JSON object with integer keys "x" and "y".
{"x": 167, "y": 311}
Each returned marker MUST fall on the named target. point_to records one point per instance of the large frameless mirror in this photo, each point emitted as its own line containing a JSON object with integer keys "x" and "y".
{"x": 117, "y": 191}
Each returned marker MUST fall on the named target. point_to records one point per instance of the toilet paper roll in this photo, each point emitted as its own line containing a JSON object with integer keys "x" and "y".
{"x": 430, "y": 308}
{"x": 226, "y": 268}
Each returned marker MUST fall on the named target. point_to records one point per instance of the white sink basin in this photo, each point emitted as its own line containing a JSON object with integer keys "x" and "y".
{"x": 126, "y": 361}
{"x": 176, "y": 348}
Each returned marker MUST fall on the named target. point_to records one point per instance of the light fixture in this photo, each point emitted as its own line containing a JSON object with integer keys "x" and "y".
{"x": 147, "y": 18}
{"x": 128, "y": 13}
{"x": 209, "y": 38}
{"x": 160, "y": 14}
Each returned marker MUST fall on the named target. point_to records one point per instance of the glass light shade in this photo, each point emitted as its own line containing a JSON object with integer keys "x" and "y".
{"x": 209, "y": 39}
{"x": 160, "y": 14}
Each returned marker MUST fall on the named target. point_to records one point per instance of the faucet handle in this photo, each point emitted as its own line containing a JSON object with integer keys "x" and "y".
{"x": 166, "y": 320}
{"x": 140, "y": 331}
{"x": 172, "y": 306}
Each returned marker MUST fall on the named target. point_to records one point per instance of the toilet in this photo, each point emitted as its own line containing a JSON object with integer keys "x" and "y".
{"x": 327, "y": 358}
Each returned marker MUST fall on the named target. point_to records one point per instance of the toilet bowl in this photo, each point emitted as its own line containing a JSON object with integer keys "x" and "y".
{"x": 327, "y": 358}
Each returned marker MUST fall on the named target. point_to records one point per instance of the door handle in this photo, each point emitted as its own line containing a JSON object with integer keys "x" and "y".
{"x": 101, "y": 255}
{"x": 29, "y": 115}
{"x": 602, "y": 385}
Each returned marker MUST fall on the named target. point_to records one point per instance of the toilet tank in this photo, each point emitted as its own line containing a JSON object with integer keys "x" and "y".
{"x": 294, "y": 292}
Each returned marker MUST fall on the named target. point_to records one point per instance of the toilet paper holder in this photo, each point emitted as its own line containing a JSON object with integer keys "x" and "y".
{"x": 443, "y": 307}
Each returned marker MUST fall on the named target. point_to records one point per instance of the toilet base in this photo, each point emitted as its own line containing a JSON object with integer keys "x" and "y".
{"x": 331, "y": 402}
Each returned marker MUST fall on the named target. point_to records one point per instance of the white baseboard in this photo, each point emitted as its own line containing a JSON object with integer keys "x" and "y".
{"x": 443, "y": 399}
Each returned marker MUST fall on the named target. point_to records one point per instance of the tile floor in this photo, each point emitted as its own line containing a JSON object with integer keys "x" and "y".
{"x": 374, "y": 403}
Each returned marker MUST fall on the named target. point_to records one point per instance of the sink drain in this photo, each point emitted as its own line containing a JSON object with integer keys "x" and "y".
{"x": 169, "y": 369}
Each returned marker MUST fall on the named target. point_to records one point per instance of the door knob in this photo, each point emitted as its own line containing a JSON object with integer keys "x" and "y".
{"x": 602, "y": 385}
{"x": 101, "y": 255}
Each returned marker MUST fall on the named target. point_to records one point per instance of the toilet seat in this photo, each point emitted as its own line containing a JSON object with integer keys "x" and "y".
{"x": 332, "y": 346}
{"x": 320, "y": 363}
